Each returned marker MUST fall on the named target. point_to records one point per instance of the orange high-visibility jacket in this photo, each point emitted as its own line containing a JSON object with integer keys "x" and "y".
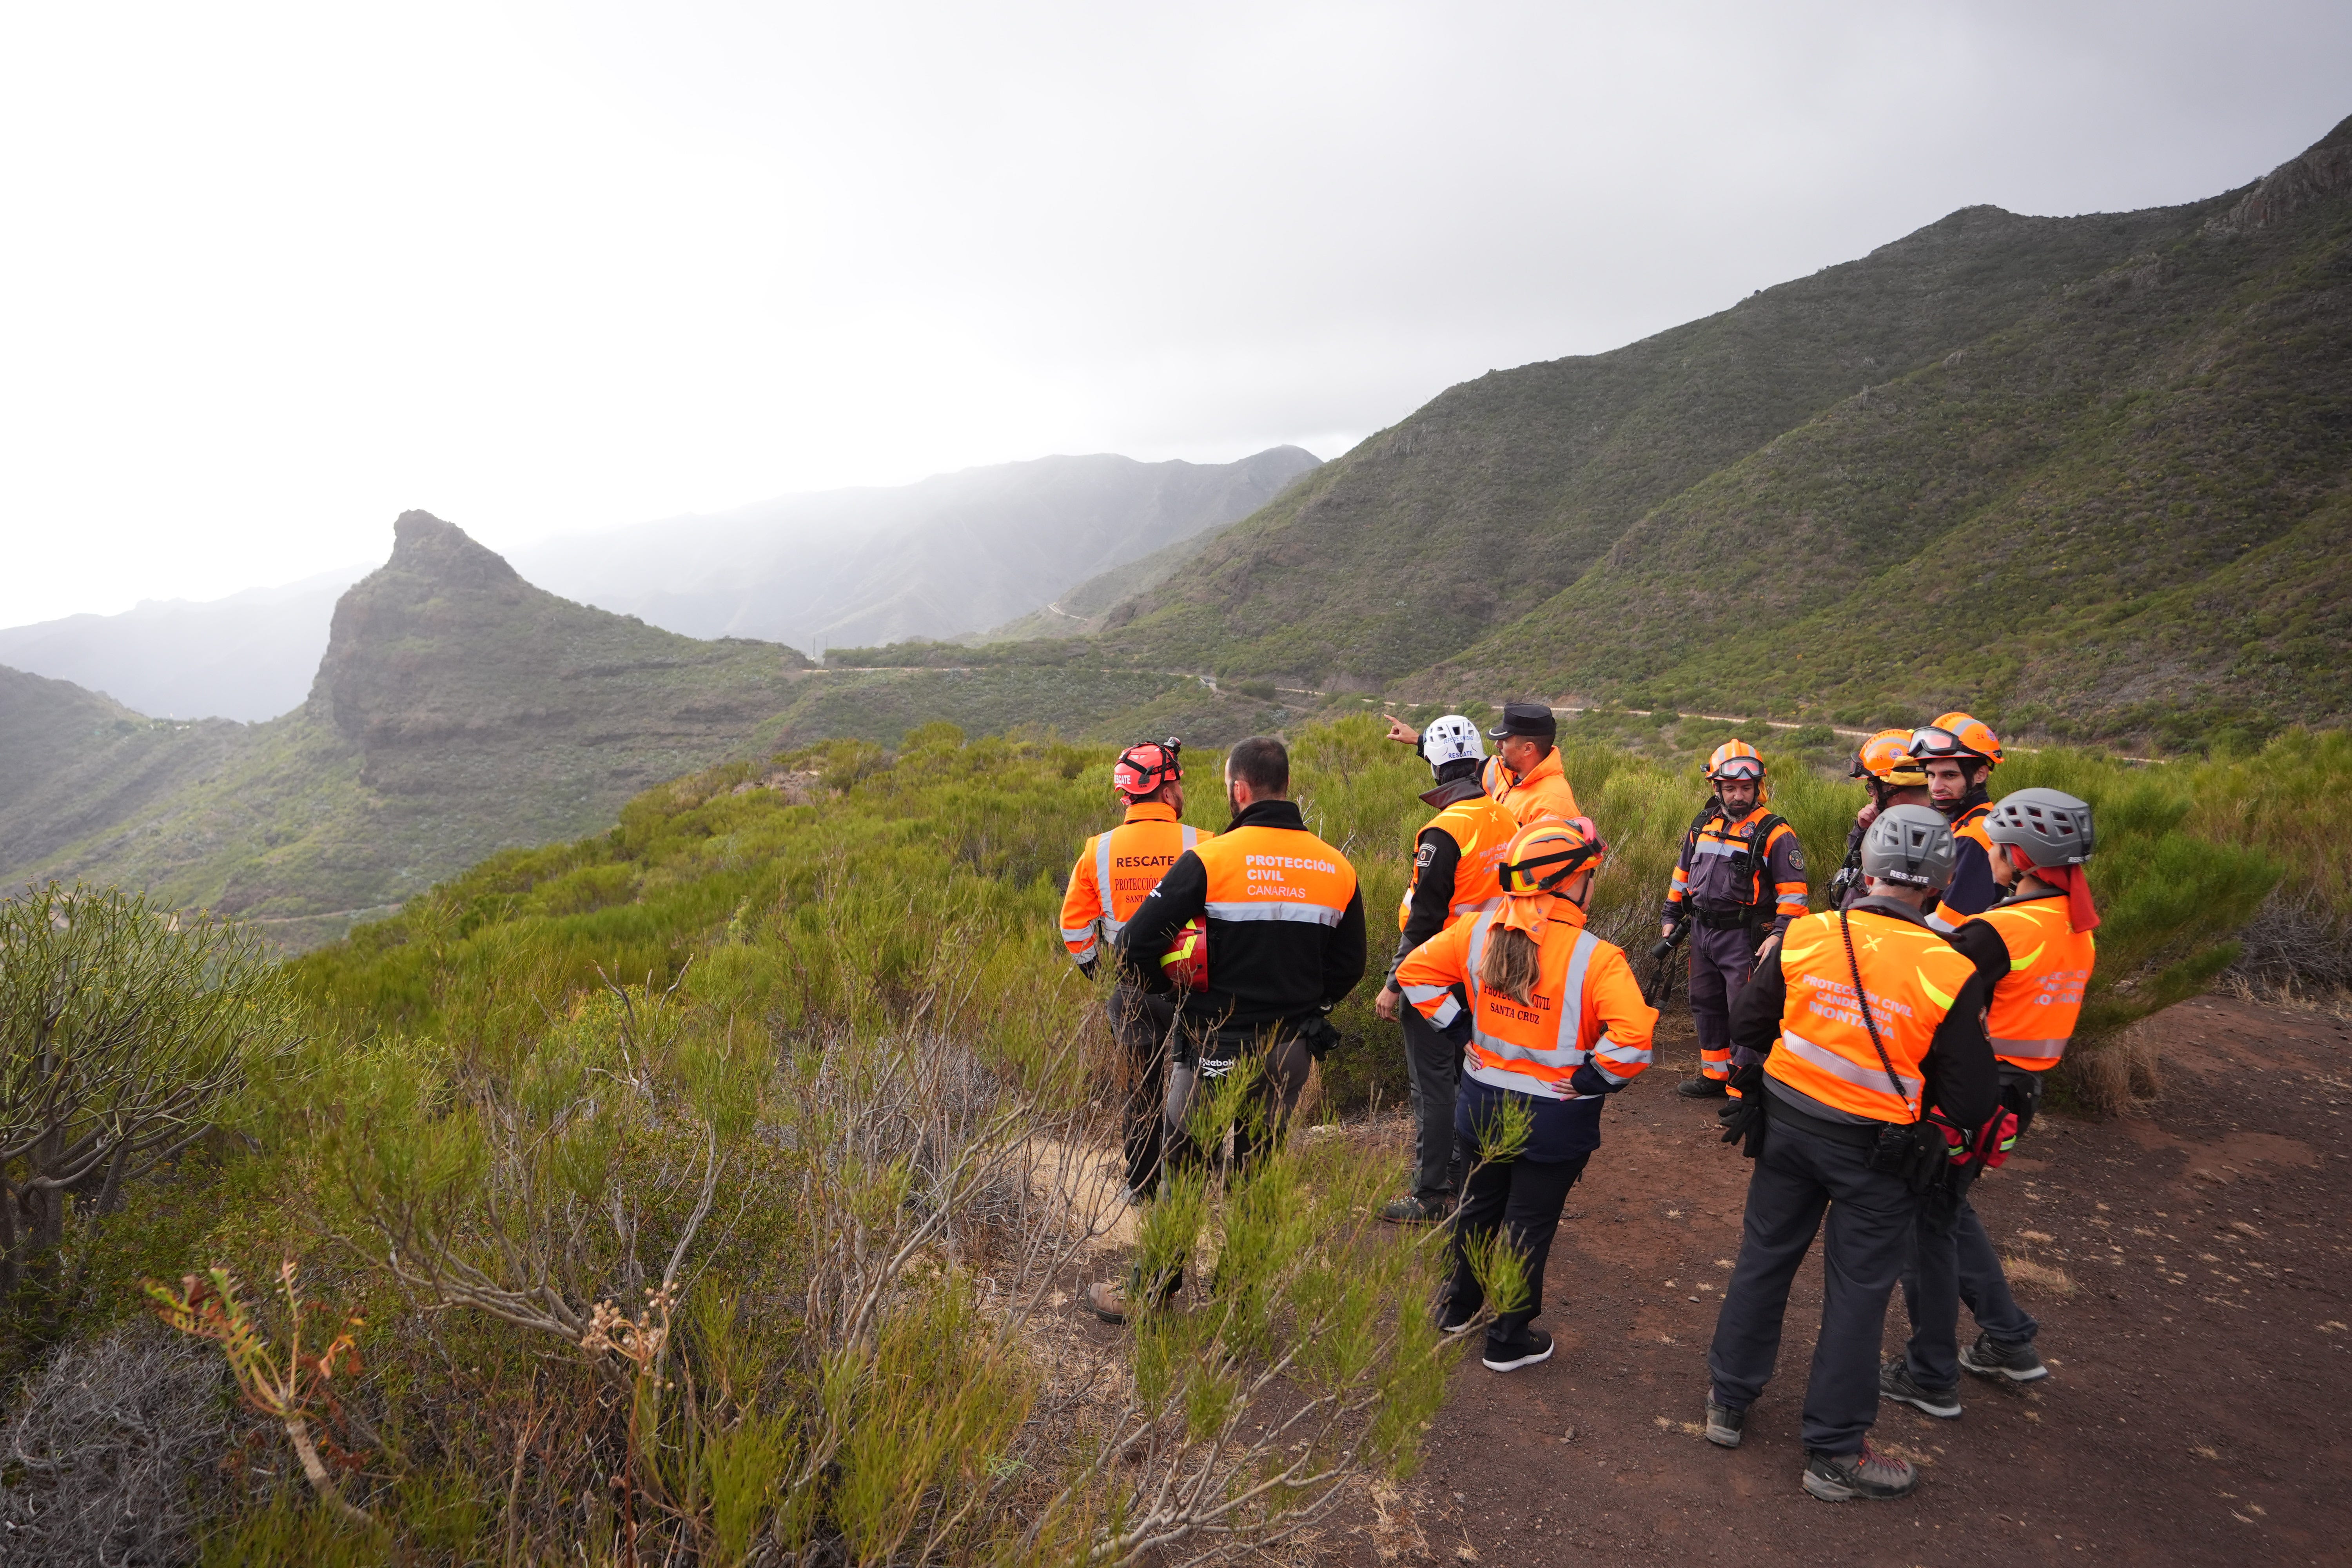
{"x": 1911, "y": 977}
{"x": 1114, "y": 872}
{"x": 1588, "y": 1007}
{"x": 2036, "y": 1003}
{"x": 1481, "y": 829}
{"x": 1972, "y": 888}
{"x": 1544, "y": 793}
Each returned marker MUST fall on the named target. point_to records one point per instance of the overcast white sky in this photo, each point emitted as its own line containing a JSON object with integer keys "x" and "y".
{"x": 273, "y": 273}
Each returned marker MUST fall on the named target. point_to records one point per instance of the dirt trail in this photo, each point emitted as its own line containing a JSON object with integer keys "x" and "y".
{"x": 2202, "y": 1358}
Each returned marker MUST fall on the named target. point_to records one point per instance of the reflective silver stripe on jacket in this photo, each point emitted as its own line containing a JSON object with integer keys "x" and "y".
{"x": 1084, "y": 954}
{"x": 1448, "y": 1009}
{"x": 1311, "y": 914}
{"x": 1873, "y": 1076}
{"x": 1524, "y": 1083}
{"x": 1567, "y": 1052}
{"x": 1102, "y": 887}
{"x": 2030, "y": 1050}
{"x": 1478, "y": 905}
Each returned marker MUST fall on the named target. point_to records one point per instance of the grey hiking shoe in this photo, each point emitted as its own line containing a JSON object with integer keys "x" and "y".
{"x": 1417, "y": 1210}
{"x": 1723, "y": 1424}
{"x": 1990, "y": 1358}
{"x": 1896, "y": 1383}
{"x": 1701, "y": 1089}
{"x": 1870, "y": 1475}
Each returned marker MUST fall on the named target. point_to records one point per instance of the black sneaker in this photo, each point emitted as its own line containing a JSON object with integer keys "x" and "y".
{"x": 1896, "y": 1383}
{"x": 1723, "y": 1424}
{"x": 1701, "y": 1089}
{"x": 1990, "y": 1358}
{"x": 1869, "y": 1475}
{"x": 1418, "y": 1210}
{"x": 1532, "y": 1346}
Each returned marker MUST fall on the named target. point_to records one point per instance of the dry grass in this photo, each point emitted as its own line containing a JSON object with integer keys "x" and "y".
{"x": 2045, "y": 1279}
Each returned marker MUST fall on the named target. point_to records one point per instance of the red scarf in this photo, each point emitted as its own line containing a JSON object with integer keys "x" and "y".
{"x": 2072, "y": 881}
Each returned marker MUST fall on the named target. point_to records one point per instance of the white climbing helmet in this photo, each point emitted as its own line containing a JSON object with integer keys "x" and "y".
{"x": 1451, "y": 739}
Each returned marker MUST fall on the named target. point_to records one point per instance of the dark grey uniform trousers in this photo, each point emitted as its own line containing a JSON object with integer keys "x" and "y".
{"x": 1432, "y": 1073}
{"x": 1720, "y": 963}
{"x": 1868, "y": 1239}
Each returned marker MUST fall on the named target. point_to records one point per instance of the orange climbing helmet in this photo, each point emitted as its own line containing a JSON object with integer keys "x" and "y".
{"x": 1547, "y": 853}
{"x": 1957, "y": 737}
{"x": 1886, "y": 757}
{"x": 1736, "y": 760}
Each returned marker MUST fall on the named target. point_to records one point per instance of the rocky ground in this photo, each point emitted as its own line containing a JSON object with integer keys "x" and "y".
{"x": 2191, "y": 1271}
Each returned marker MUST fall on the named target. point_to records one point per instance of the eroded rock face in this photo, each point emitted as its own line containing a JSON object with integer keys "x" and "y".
{"x": 2323, "y": 171}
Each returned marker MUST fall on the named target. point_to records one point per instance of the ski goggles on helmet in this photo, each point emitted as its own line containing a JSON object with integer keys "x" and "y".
{"x": 1543, "y": 854}
{"x": 1736, "y": 760}
{"x": 1957, "y": 737}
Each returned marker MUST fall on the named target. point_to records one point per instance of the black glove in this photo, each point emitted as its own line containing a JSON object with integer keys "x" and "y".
{"x": 1087, "y": 966}
{"x": 1318, "y": 1035}
{"x": 1743, "y": 1116}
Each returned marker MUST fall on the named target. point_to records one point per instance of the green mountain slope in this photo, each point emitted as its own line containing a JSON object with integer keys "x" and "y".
{"x": 1504, "y": 490}
{"x": 459, "y": 711}
{"x": 2152, "y": 464}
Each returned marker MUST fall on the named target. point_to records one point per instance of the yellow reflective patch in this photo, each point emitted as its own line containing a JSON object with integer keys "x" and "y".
{"x": 1941, "y": 1000}
{"x": 2027, "y": 962}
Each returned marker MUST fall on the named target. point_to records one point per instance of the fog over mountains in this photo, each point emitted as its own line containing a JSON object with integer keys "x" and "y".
{"x": 248, "y": 656}
{"x": 953, "y": 555}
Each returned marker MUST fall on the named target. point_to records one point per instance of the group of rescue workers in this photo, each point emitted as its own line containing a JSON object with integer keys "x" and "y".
{"x": 1872, "y": 1058}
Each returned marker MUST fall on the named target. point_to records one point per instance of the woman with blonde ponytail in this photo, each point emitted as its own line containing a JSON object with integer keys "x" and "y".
{"x": 1551, "y": 1022}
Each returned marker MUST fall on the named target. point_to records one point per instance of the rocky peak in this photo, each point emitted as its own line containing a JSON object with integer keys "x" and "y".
{"x": 424, "y": 546}
{"x": 2324, "y": 170}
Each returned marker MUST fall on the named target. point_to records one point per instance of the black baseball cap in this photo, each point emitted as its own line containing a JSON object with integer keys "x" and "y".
{"x": 1525, "y": 719}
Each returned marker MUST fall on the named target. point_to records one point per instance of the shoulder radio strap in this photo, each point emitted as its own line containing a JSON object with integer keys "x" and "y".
{"x": 1861, "y": 1001}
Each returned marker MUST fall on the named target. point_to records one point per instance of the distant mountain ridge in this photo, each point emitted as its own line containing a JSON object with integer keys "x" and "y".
{"x": 247, "y": 657}
{"x": 457, "y": 711}
{"x": 950, "y": 556}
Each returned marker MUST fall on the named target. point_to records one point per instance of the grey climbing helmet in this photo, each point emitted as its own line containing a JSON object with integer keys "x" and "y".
{"x": 2049, "y": 825}
{"x": 1910, "y": 846}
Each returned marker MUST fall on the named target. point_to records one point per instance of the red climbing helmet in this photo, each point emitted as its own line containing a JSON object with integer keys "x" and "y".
{"x": 1140, "y": 769}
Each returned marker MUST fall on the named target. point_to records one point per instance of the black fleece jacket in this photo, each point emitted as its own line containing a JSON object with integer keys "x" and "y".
{"x": 1260, "y": 972}
{"x": 1962, "y": 1075}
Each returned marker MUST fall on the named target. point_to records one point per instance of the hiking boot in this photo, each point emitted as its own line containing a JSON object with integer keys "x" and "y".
{"x": 1532, "y": 1346}
{"x": 1418, "y": 1210}
{"x": 1449, "y": 1326}
{"x": 1701, "y": 1089}
{"x": 1106, "y": 1300}
{"x": 1869, "y": 1475}
{"x": 1896, "y": 1383}
{"x": 1723, "y": 1424}
{"x": 1990, "y": 1358}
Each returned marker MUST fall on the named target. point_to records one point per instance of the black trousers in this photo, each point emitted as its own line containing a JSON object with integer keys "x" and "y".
{"x": 1142, "y": 1024}
{"x": 1433, "y": 1070}
{"x": 1954, "y": 1262}
{"x": 1524, "y": 1198}
{"x": 1282, "y": 1063}
{"x": 1871, "y": 1219}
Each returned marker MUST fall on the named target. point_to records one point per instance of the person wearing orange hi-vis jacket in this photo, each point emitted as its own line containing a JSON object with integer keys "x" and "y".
{"x": 1551, "y": 1022}
{"x": 2035, "y": 949}
{"x": 1116, "y": 871}
{"x": 1279, "y": 922}
{"x": 1525, "y": 773}
{"x": 1871, "y": 1020}
{"x": 1454, "y": 874}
